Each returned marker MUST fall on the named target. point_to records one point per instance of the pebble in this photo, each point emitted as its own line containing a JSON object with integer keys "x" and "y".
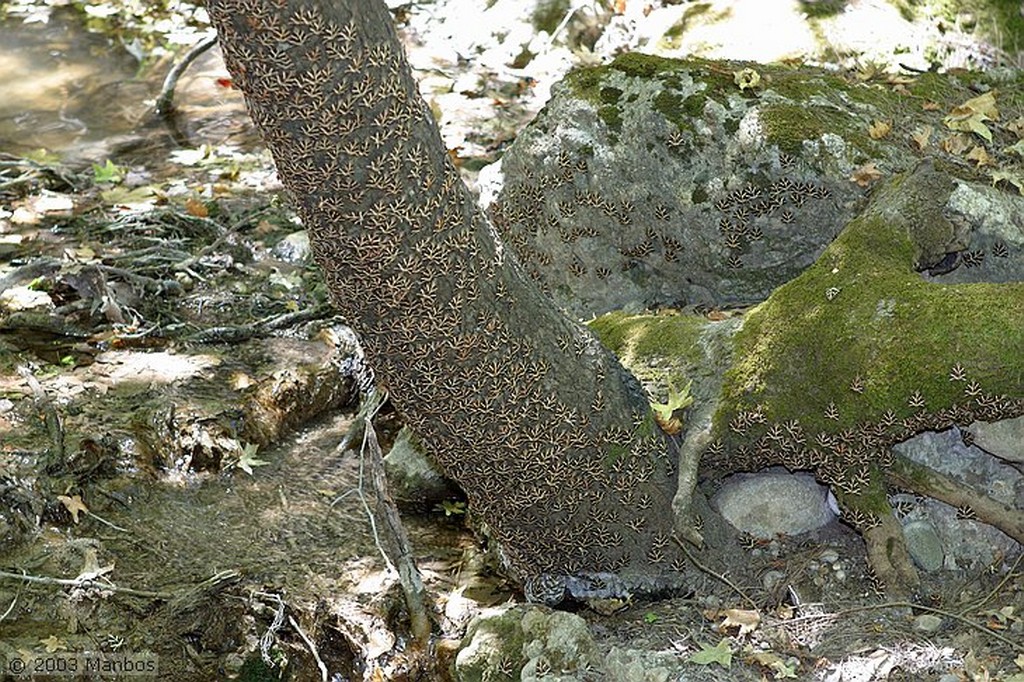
{"x": 924, "y": 545}
{"x": 927, "y": 622}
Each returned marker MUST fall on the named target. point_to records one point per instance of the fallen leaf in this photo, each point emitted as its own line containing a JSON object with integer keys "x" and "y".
{"x": 775, "y": 663}
{"x": 971, "y": 115}
{"x": 74, "y": 505}
{"x": 955, "y": 144}
{"x": 1016, "y": 126}
{"x": 1014, "y": 178}
{"x": 720, "y": 654}
{"x": 91, "y": 568}
{"x": 879, "y": 129}
{"x": 248, "y": 459}
{"x": 54, "y": 643}
{"x": 196, "y": 207}
{"x": 930, "y": 106}
{"x": 981, "y": 157}
{"x": 922, "y": 136}
{"x": 746, "y": 621}
{"x": 866, "y": 174}
{"x": 1016, "y": 148}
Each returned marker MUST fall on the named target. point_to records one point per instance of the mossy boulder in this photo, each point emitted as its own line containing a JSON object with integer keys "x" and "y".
{"x": 657, "y": 182}
{"x": 527, "y": 642}
{"x": 862, "y": 351}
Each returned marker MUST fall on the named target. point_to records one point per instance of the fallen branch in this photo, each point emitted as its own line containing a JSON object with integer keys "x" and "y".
{"x": 164, "y": 105}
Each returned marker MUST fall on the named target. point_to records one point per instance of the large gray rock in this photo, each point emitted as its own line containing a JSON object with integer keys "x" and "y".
{"x": 415, "y": 481}
{"x": 1003, "y": 439}
{"x": 773, "y": 503}
{"x": 652, "y": 182}
{"x": 965, "y": 542}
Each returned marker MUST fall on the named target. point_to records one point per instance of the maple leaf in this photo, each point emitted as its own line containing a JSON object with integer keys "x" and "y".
{"x": 247, "y": 460}
{"x": 971, "y": 115}
{"x": 720, "y": 654}
{"x": 866, "y": 174}
{"x": 74, "y": 505}
{"x": 879, "y": 129}
{"x": 54, "y": 643}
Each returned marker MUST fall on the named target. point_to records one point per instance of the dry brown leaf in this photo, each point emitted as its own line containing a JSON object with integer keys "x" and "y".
{"x": 930, "y": 106}
{"x": 879, "y": 129}
{"x": 746, "y": 621}
{"x": 866, "y": 174}
{"x": 1016, "y": 126}
{"x": 980, "y": 156}
{"x": 955, "y": 144}
{"x": 196, "y": 207}
{"x": 74, "y": 505}
{"x": 922, "y": 136}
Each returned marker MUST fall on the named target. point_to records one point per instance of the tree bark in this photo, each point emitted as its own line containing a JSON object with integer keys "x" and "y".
{"x": 551, "y": 439}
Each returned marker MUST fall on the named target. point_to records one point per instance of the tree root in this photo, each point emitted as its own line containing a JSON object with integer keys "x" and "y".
{"x": 888, "y": 556}
{"x": 924, "y": 480}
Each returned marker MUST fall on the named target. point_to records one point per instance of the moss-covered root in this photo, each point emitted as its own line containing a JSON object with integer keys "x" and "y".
{"x": 924, "y": 480}
{"x": 889, "y": 558}
{"x": 869, "y": 512}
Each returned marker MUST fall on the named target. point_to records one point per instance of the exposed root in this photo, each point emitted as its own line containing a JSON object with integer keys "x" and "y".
{"x": 888, "y": 556}
{"x": 924, "y": 480}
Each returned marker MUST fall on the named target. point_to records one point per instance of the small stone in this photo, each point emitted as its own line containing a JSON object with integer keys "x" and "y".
{"x": 771, "y": 579}
{"x": 924, "y": 545}
{"x": 829, "y": 556}
{"x": 294, "y": 248}
{"x": 927, "y": 622}
{"x": 21, "y": 298}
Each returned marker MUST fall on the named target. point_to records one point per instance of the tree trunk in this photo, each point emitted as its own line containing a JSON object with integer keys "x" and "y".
{"x": 551, "y": 439}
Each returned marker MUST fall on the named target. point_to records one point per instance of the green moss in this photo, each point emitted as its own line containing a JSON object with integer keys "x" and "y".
{"x": 639, "y": 338}
{"x": 788, "y": 125}
{"x": 820, "y": 9}
{"x": 669, "y": 104}
{"x": 610, "y": 95}
{"x": 612, "y": 116}
{"x": 899, "y": 334}
{"x": 698, "y": 196}
{"x": 645, "y": 65}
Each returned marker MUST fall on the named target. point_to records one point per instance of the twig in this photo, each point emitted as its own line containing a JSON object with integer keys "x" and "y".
{"x": 312, "y": 648}
{"x": 995, "y": 590}
{"x": 53, "y": 424}
{"x": 1016, "y": 646}
{"x": 400, "y": 553}
{"x": 164, "y": 105}
{"x": 243, "y": 332}
{"x": 9, "y": 608}
{"x": 105, "y": 522}
{"x": 268, "y": 637}
{"x": 714, "y": 574}
{"x": 66, "y": 582}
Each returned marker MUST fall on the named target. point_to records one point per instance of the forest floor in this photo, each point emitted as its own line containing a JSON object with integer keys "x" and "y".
{"x": 171, "y": 407}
